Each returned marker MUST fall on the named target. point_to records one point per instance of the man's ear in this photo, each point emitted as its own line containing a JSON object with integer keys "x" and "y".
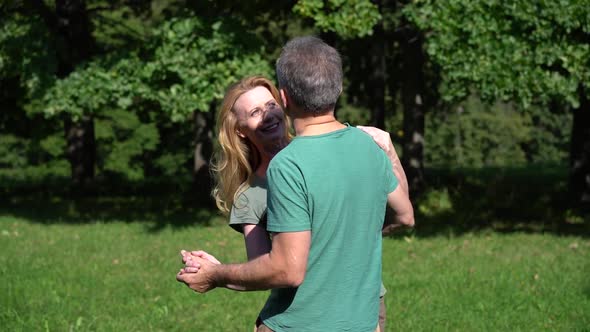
{"x": 283, "y": 97}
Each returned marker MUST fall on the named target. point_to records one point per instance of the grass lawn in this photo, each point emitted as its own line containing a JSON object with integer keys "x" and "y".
{"x": 493, "y": 250}
{"x": 119, "y": 276}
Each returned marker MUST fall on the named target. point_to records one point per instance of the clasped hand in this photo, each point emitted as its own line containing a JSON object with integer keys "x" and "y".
{"x": 198, "y": 270}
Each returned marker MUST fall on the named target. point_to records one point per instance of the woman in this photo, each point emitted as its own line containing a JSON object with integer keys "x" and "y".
{"x": 252, "y": 129}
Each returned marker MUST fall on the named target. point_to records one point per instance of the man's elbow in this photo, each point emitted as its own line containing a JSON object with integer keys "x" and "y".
{"x": 294, "y": 278}
{"x": 291, "y": 276}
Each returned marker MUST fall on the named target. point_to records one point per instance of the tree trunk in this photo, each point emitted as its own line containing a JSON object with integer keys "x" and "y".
{"x": 81, "y": 149}
{"x": 377, "y": 77}
{"x": 412, "y": 90}
{"x": 203, "y": 122}
{"x": 580, "y": 155}
{"x": 75, "y": 31}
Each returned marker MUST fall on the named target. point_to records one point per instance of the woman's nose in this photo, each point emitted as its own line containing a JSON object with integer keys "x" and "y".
{"x": 265, "y": 112}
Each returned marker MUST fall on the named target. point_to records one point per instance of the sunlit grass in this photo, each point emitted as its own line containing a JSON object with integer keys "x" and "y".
{"x": 489, "y": 282}
{"x": 494, "y": 250}
{"x": 119, "y": 276}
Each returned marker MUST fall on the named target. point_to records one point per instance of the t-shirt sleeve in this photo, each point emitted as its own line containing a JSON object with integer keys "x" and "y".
{"x": 288, "y": 209}
{"x": 391, "y": 181}
{"x": 247, "y": 210}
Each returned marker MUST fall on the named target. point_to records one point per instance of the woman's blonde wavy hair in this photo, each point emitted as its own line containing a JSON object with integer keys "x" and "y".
{"x": 236, "y": 158}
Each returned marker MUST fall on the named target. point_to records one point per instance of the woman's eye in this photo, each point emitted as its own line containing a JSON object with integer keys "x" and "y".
{"x": 256, "y": 112}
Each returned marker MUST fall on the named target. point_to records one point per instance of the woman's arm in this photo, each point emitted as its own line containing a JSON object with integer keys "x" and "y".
{"x": 257, "y": 240}
{"x": 383, "y": 139}
{"x": 400, "y": 212}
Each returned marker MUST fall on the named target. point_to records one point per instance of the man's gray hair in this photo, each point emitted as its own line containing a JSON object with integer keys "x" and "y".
{"x": 310, "y": 71}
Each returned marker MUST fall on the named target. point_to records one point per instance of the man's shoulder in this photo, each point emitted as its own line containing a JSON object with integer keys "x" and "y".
{"x": 361, "y": 135}
{"x": 286, "y": 155}
{"x": 363, "y": 144}
{"x": 287, "y": 165}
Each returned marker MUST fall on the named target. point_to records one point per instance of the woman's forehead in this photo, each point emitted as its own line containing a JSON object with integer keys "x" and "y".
{"x": 252, "y": 98}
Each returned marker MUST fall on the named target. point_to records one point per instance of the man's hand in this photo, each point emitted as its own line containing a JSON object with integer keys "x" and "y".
{"x": 196, "y": 261}
{"x": 284, "y": 266}
{"x": 198, "y": 273}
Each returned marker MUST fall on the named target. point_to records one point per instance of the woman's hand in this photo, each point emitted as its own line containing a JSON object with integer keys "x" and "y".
{"x": 191, "y": 265}
{"x": 382, "y": 139}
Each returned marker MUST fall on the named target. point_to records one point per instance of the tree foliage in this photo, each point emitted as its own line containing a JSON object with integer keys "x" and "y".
{"x": 185, "y": 69}
{"x": 350, "y": 19}
{"x": 27, "y": 52}
{"x": 534, "y": 51}
{"x": 161, "y": 67}
{"x": 477, "y": 134}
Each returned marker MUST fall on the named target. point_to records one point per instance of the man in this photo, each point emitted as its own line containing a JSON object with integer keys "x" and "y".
{"x": 327, "y": 192}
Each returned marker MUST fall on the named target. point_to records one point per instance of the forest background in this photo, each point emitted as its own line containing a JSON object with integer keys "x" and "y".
{"x": 107, "y": 128}
{"x": 126, "y": 91}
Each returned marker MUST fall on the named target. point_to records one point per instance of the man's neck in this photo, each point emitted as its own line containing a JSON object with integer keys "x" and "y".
{"x": 316, "y": 125}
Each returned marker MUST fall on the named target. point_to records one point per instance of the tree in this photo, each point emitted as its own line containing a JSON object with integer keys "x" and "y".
{"x": 385, "y": 57}
{"x": 535, "y": 52}
{"x": 181, "y": 74}
{"x": 48, "y": 42}
{"x": 71, "y": 27}
{"x": 415, "y": 103}
{"x": 194, "y": 62}
{"x": 143, "y": 71}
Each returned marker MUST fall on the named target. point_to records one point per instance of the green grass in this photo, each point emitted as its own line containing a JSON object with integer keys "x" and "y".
{"x": 116, "y": 276}
{"x": 119, "y": 276}
{"x": 489, "y": 282}
{"x": 493, "y": 250}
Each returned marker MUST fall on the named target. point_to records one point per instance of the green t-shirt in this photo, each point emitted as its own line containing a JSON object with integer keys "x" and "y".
{"x": 250, "y": 205}
{"x": 250, "y": 208}
{"x": 336, "y": 186}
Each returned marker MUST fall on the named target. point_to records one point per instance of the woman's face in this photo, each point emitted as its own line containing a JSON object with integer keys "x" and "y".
{"x": 260, "y": 117}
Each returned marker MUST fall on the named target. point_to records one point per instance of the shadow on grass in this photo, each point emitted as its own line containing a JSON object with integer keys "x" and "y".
{"x": 532, "y": 199}
{"x": 528, "y": 199}
{"x": 158, "y": 203}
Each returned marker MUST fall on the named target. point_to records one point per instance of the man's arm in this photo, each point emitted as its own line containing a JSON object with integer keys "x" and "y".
{"x": 283, "y": 266}
{"x": 286, "y": 263}
{"x": 257, "y": 243}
